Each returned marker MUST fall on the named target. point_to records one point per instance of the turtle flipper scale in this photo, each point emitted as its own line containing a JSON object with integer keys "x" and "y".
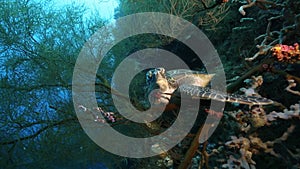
{"x": 207, "y": 93}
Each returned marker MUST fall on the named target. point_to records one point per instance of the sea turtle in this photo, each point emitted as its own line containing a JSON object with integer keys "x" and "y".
{"x": 192, "y": 83}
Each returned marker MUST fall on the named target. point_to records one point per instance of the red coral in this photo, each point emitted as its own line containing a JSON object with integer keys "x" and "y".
{"x": 286, "y": 53}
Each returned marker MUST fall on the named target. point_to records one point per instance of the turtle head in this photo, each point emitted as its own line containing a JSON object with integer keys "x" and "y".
{"x": 153, "y": 74}
{"x": 159, "y": 89}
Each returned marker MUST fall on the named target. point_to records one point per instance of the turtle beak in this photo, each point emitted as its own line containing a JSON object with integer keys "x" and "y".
{"x": 158, "y": 98}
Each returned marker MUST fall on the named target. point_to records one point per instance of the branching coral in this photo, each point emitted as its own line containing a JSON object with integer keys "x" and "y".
{"x": 252, "y": 144}
{"x": 293, "y": 112}
{"x": 273, "y": 40}
{"x": 290, "y": 86}
{"x": 259, "y": 3}
{"x": 245, "y": 159}
{"x": 250, "y": 120}
{"x": 254, "y": 83}
{"x": 274, "y": 45}
{"x": 269, "y": 39}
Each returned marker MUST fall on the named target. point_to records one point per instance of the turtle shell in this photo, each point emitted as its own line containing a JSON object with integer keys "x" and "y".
{"x": 189, "y": 77}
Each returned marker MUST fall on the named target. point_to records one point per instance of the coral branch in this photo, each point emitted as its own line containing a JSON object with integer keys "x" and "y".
{"x": 291, "y": 85}
{"x": 260, "y": 3}
{"x": 293, "y": 112}
{"x": 238, "y": 83}
{"x": 248, "y": 146}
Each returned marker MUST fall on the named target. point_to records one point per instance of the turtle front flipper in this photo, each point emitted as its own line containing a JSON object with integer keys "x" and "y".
{"x": 207, "y": 93}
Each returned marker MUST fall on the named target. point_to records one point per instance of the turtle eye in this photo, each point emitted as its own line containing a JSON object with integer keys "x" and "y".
{"x": 149, "y": 77}
{"x": 149, "y": 74}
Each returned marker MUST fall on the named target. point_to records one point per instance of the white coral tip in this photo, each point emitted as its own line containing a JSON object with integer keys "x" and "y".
{"x": 241, "y": 10}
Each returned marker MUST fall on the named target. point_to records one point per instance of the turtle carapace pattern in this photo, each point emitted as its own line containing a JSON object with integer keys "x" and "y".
{"x": 192, "y": 83}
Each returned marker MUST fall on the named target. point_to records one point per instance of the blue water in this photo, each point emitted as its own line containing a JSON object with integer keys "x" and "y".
{"x": 97, "y": 166}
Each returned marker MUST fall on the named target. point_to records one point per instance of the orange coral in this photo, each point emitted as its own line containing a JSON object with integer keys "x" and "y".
{"x": 286, "y": 53}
